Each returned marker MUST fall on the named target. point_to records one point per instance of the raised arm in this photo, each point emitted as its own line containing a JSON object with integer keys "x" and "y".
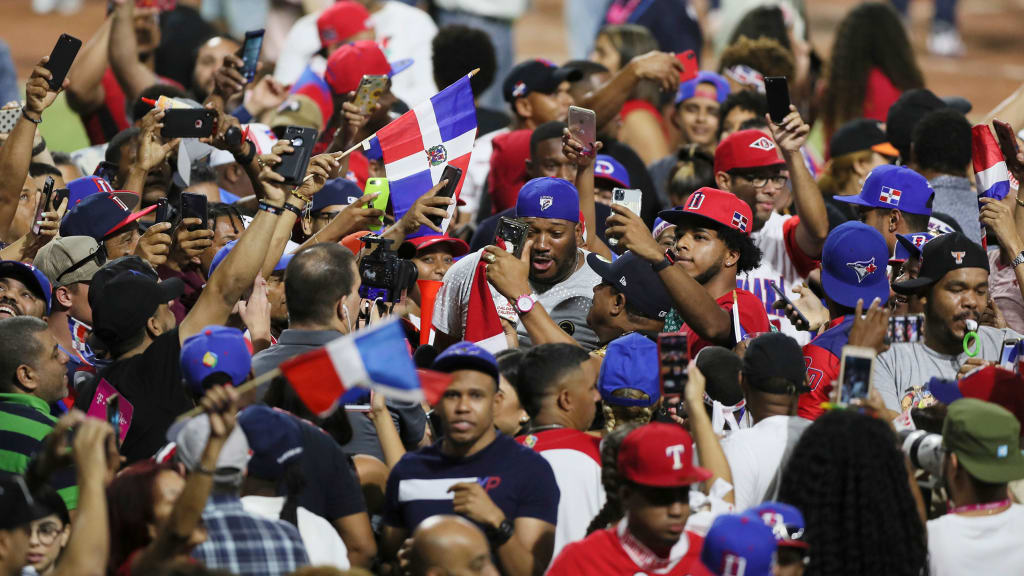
{"x": 606, "y": 101}
{"x": 999, "y": 218}
{"x": 85, "y": 91}
{"x": 132, "y": 75}
{"x": 790, "y": 136}
{"x": 709, "y": 451}
{"x": 573, "y": 150}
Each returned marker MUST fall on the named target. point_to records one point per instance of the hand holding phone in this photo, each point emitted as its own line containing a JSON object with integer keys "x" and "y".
{"x": 43, "y": 205}
{"x": 776, "y": 91}
{"x": 630, "y": 198}
{"x": 583, "y": 126}
{"x": 1009, "y": 146}
{"x": 804, "y": 323}
{"x": 251, "y": 53}
{"x": 513, "y": 234}
{"x": 452, "y": 174}
{"x": 855, "y": 371}
{"x": 195, "y": 206}
{"x": 294, "y": 164}
{"x": 690, "y": 66}
{"x": 674, "y": 362}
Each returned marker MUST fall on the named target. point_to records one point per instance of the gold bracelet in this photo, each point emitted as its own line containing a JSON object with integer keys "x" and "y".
{"x": 305, "y": 199}
{"x": 1019, "y": 202}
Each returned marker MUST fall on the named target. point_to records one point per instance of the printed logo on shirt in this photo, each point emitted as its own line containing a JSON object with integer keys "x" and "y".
{"x": 890, "y": 196}
{"x": 546, "y": 202}
{"x": 489, "y": 482}
{"x": 763, "y": 143}
{"x": 675, "y": 452}
{"x": 740, "y": 221}
{"x": 864, "y": 268}
{"x": 958, "y": 256}
{"x": 696, "y": 201}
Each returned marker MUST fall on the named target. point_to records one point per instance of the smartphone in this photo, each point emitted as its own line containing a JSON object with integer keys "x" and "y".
{"x": 251, "y": 53}
{"x": 782, "y": 296}
{"x": 630, "y": 198}
{"x": 690, "y": 66}
{"x": 8, "y": 118}
{"x": 776, "y": 91}
{"x": 43, "y": 205}
{"x": 513, "y": 233}
{"x": 369, "y": 92}
{"x": 452, "y": 174}
{"x": 163, "y": 211}
{"x": 380, "y": 187}
{"x": 1011, "y": 350}
{"x": 854, "y": 374}
{"x": 294, "y": 164}
{"x": 194, "y": 206}
{"x": 189, "y": 123}
{"x": 114, "y": 417}
{"x": 583, "y": 126}
{"x": 674, "y": 362}
{"x": 61, "y": 58}
{"x": 1008, "y": 145}
{"x": 105, "y": 170}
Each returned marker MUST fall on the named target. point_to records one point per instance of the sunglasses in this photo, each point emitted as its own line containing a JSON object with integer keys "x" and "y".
{"x": 99, "y": 257}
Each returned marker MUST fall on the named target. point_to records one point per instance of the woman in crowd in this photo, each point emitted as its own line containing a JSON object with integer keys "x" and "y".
{"x": 49, "y": 535}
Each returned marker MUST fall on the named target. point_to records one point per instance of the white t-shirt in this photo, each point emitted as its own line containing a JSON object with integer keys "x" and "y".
{"x": 475, "y": 185}
{"x": 324, "y": 546}
{"x": 754, "y": 456}
{"x": 776, "y": 265}
{"x": 968, "y": 545}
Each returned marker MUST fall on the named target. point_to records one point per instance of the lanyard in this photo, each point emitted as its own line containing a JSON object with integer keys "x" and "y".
{"x": 987, "y": 507}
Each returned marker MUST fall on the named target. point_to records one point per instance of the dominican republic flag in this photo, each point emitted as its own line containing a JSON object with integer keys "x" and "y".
{"x": 739, "y": 221}
{"x": 990, "y": 172}
{"x": 417, "y": 146}
{"x": 483, "y": 325}
{"x": 890, "y": 196}
{"x": 377, "y": 358}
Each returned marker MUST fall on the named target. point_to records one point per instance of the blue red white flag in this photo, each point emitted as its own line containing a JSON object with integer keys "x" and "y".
{"x": 990, "y": 174}
{"x": 417, "y": 146}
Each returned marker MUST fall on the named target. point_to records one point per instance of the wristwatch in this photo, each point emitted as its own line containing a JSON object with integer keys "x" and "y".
{"x": 498, "y": 536}
{"x": 524, "y": 303}
{"x": 667, "y": 261}
{"x": 1018, "y": 260}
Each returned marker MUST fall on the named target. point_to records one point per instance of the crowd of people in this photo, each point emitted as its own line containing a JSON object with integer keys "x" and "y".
{"x": 695, "y": 338}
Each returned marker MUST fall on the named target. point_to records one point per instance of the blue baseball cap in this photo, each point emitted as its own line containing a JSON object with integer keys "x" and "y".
{"x": 548, "y": 198}
{"x": 630, "y": 361}
{"x": 853, "y": 265}
{"x": 100, "y": 215}
{"x": 909, "y": 246}
{"x": 466, "y": 356}
{"x": 226, "y": 249}
{"x": 738, "y": 540}
{"x": 610, "y": 169}
{"x": 215, "y": 349}
{"x": 81, "y": 188}
{"x": 336, "y": 191}
{"x": 688, "y": 89}
{"x": 786, "y": 522}
{"x": 634, "y": 277}
{"x": 894, "y": 188}
{"x": 275, "y": 439}
{"x": 660, "y": 226}
{"x": 31, "y": 277}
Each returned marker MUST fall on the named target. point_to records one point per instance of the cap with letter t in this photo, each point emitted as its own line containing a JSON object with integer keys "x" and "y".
{"x": 658, "y": 455}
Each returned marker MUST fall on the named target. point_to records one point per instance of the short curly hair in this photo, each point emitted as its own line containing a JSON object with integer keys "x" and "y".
{"x": 764, "y": 54}
{"x": 750, "y": 254}
{"x": 848, "y": 477}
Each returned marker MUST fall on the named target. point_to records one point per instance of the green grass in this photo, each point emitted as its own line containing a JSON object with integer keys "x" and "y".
{"x": 62, "y": 128}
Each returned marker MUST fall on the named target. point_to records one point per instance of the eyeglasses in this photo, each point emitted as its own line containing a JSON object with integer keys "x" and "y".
{"x": 778, "y": 180}
{"x": 47, "y": 532}
{"x": 99, "y": 257}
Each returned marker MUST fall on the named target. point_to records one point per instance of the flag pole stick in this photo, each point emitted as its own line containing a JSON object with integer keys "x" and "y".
{"x": 340, "y": 155}
{"x": 241, "y": 390}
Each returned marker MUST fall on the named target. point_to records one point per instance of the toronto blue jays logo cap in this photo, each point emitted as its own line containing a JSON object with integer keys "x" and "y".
{"x": 853, "y": 265}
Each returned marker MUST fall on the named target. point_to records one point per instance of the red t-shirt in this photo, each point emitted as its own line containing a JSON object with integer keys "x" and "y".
{"x": 753, "y": 319}
{"x": 104, "y": 122}
{"x": 604, "y": 552}
{"x": 879, "y": 94}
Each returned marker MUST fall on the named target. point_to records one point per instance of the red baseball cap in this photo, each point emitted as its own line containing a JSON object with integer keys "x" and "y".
{"x": 659, "y": 455}
{"x": 719, "y": 206}
{"x": 341, "y": 21}
{"x": 458, "y": 247}
{"x": 350, "y": 62}
{"x": 746, "y": 149}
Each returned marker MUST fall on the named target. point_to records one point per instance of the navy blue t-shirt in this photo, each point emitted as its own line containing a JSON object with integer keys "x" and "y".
{"x": 517, "y": 479}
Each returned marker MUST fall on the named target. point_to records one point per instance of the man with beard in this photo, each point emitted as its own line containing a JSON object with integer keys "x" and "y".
{"x": 561, "y": 280}
{"x": 954, "y": 281}
{"x": 24, "y": 290}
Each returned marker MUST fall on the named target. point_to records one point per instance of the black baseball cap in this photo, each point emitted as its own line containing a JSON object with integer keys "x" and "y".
{"x": 634, "y": 277}
{"x": 942, "y": 255}
{"x": 127, "y": 302}
{"x": 774, "y": 363}
{"x": 861, "y": 134}
{"x": 906, "y": 112}
{"x": 537, "y": 75}
{"x": 17, "y": 507}
{"x": 115, "y": 268}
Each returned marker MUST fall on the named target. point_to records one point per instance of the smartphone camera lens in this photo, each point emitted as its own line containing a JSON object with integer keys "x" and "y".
{"x": 199, "y": 123}
{"x": 297, "y": 142}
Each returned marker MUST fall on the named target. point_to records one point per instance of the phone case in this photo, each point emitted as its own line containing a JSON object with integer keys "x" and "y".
{"x": 855, "y": 373}
{"x": 583, "y": 125}
{"x": 61, "y": 58}
{"x": 369, "y": 92}
{"x": 293, "y": 166}
{"x": 690, "y": 65}
{"x": 452, "y": 175}
{"x": 383, "y": 189}
{"x": 1008, "y": 145}
{"x": 163, "y": 211}
{"x": 189, "y": 123}
{"x": 776, "y": 91}
{"x": 8, "y": 118}
{"x": 631, "y": 199}
{"x": 251, "y": 53}
{"x": 512, "y": 232}
{"x": 194, "y": 206}
{"x": 43, "y": 205}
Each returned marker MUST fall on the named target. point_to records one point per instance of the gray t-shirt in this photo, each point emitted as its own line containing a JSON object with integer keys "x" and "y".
{"x": 954, "y": 196}
{"x": 567, "y": 302}
{"x": 904, "y": 366}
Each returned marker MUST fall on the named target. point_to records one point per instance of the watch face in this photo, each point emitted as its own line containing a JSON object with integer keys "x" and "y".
{"x": 524, "y": 303}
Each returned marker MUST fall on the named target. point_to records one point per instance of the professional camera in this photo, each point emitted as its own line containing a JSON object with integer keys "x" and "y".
{"x": 384, "y": 273}
{"x": 924, "y": 450}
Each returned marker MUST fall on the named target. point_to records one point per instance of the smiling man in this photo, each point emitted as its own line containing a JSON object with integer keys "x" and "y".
{"x": 24, "y": 291}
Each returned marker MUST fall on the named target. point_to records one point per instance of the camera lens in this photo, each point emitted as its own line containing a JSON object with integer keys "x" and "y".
{"x": 297, "y": 142}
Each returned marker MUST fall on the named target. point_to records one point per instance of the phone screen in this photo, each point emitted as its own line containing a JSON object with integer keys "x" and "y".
{"x": 1009, "y": 353}
{"x": 776, "y": 91}
{"x": 674, "y": 360}
{"x": 251, "y": 53}
{"x": 855, "y": 377}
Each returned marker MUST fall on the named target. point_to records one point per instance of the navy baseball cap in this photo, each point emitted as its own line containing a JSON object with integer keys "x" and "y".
{"x": 736, "y": 540}
{"x": 548, "y": 198}
{"x": 943, "y": 255}
{"x": 275, "y": 439}
{"x": 630, "y": 361}
{"x": 336, "y": 191}
{"x": 466, "y": 356}
{"x": 894, "y": 188}
{"x": 786, "y": 522}
{"x": 31, "y": 277}
{"x": 537, "y": 75}
{"x": 634, "y": 277}
{"x": 909, "y": 246}
{"x": 611, "y": 170}
{"x": 853, "y": 265}
{"x": 81, "y": 188}
{"x": 99, "y": 216}
{"x": 689, "y": 89}
{"x": 217, "y": 349}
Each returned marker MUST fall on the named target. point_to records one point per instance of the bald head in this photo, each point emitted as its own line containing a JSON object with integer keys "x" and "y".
{"x": 449, "y": 545}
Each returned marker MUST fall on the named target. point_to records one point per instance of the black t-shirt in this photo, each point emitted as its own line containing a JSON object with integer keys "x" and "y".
{"x": 152, "y": 383}
{"x": 332, "y": 490}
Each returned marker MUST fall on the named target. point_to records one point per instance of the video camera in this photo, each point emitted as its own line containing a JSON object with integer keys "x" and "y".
{"x": 385, "y": 274}
{"x": 924, "y": 450}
